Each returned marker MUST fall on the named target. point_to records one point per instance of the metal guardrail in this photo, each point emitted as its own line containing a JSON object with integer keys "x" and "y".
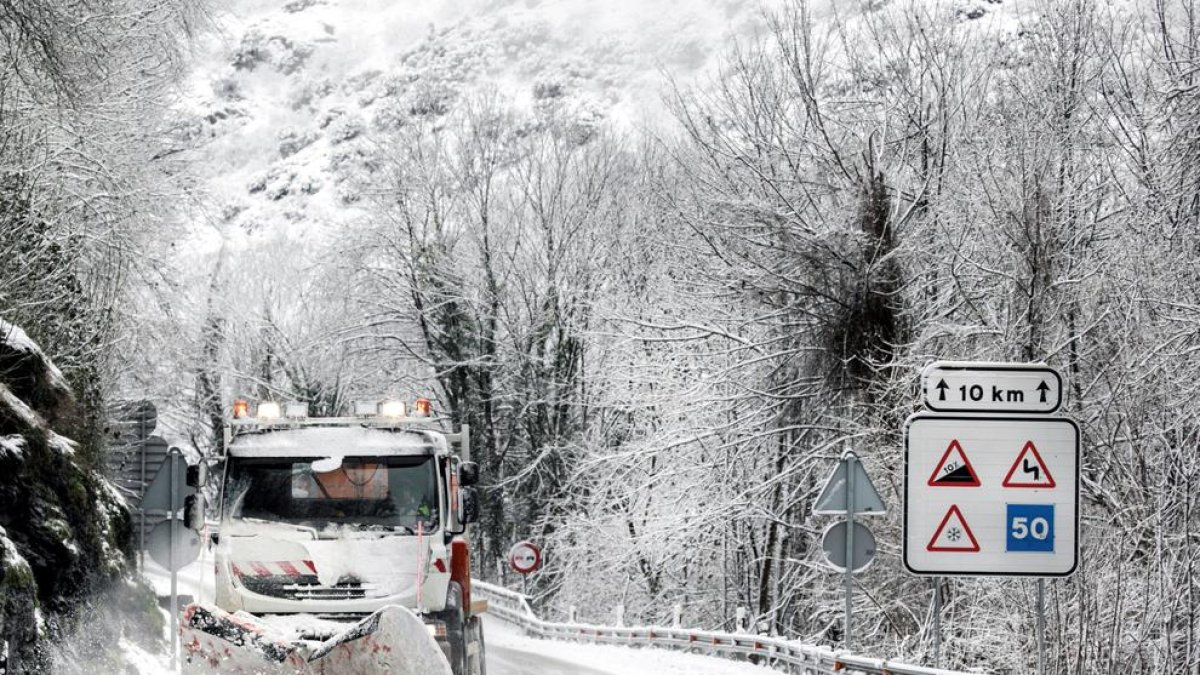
{"x": 793, "y": 657}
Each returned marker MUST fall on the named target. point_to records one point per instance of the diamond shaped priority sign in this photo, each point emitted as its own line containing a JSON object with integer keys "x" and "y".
{"x": 159, "y": 494}
{"x": 849, "y": 473}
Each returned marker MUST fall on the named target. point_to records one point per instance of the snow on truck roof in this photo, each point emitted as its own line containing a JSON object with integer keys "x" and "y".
{"x": 336, "y": 441}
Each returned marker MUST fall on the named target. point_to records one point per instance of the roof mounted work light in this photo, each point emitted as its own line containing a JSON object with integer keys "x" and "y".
{"x": 269, "y": 410}
{"x": 392, "y": 408}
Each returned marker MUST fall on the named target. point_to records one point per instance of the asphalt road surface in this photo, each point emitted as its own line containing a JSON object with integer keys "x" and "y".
{"x": 502, "y": 660}
{"x": 510, "y": 654}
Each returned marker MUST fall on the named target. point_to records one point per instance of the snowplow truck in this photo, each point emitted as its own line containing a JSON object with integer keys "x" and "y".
{"x": 341, "y": 547}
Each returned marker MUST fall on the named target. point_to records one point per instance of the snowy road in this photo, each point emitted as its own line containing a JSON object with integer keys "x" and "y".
{"x": 509, "y": 652}
{"x": 505, "y": 656}
{"x": 508, "y": 661}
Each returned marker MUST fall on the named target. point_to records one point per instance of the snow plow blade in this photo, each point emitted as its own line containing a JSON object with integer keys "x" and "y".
{"x": 392, "y": 640}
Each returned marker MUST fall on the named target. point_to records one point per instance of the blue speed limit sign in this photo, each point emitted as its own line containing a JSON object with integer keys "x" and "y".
{"x": 1030, "y": 528}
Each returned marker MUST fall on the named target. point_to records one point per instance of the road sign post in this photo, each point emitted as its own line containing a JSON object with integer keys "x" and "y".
{"x": 166, "y": 492}
{"x": 176, "y": 502}
{"x": 937, "y": 622}
{"x": 1041, "y": 625}
{"x": 141, "y": 510}
{"x": 849, "y": 546}
{"x": 525, "y": 558}
{"x": 850, "y": 462}
{"x": 991, "y": 480}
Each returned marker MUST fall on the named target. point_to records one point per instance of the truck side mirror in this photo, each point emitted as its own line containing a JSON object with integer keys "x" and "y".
{"x": 468, "y": 505}
{"x": 468, "y": 473}
{"x": 193, "y": 512}
{"x": 197, "y": 474}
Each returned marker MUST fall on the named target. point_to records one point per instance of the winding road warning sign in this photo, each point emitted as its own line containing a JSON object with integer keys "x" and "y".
{"x": 954, "y": 469}
{"x": 953, "y": 534}
{"x": 1029, "y": 471}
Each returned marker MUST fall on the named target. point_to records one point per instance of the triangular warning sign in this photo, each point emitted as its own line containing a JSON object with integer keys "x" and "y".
{"x": 954, "y": 469}
{"x": 953, "y": 534}
{"x": 1029, "y": 471}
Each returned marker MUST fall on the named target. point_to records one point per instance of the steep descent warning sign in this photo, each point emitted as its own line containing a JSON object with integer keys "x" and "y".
{"x": 954, "y": 469}
{"x": 1029, "y": 471}
{"x": 953, "y": 534}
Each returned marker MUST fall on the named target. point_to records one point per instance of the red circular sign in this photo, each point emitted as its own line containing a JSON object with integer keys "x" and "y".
{"x": 525, "y": 557}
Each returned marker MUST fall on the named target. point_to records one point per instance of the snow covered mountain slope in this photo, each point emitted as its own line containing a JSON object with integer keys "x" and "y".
{"x": 290, "y": 105}
{"x": 285, "y": 97}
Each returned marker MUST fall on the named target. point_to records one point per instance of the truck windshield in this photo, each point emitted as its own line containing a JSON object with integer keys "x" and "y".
{"x": 395, "y": 493}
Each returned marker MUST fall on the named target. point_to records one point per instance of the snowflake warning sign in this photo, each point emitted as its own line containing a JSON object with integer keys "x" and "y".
{"x": 1029, "y": 471}
{"x": 954, "y": 469}
{"x": 953, "y": 535}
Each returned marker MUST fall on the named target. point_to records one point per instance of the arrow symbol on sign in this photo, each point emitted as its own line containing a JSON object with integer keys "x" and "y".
{"x": 942, "y": 387}
{"x": 1042, "y": 389}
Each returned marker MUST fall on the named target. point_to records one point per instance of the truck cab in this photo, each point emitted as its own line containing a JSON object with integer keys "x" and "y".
{"x": 338, "y": 518}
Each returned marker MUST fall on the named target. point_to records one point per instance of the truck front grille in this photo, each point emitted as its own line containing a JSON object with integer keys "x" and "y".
{"x": 307, "y": 588}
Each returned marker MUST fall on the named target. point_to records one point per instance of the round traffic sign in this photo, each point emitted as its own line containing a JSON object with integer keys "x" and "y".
{"x": 525, "y": 557}
{"x": 186, "y": 545}
{"x": 834, "y": 545}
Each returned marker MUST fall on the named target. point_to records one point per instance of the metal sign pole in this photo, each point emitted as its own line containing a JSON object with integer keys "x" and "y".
{"x": 937, "y": 622}
{"x": 1041, "y": 625}
{"x": 171, "y": 561}
{"x": 849, "y": 461}
{"x": 142, "y": 510}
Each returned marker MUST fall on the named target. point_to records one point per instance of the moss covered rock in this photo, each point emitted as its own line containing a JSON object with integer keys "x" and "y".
{"x": 65, "y": 533}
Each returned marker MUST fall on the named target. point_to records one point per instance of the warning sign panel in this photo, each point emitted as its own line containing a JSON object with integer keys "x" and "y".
{"x": 1030, "y": 470}
{"x": 954, "y": 469}
{"x": 995, "y": 522}
{"x": 953, "y": 534}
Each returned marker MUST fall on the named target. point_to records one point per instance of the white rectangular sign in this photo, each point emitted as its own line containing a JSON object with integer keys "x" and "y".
{"x": 991, "y": 495}
{"x": 969, "y": 386}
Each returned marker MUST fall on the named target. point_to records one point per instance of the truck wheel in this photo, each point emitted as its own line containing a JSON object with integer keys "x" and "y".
{"x": 456, "y": 631}
{"x": 476, "y": 656}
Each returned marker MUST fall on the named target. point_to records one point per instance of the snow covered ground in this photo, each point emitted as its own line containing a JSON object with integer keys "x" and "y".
{"x": 195, "y": 580}
{"x": 509, "y": 652}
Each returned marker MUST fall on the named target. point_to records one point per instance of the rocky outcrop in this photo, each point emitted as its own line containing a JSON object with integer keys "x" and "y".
{"x": 64, "y": 532}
